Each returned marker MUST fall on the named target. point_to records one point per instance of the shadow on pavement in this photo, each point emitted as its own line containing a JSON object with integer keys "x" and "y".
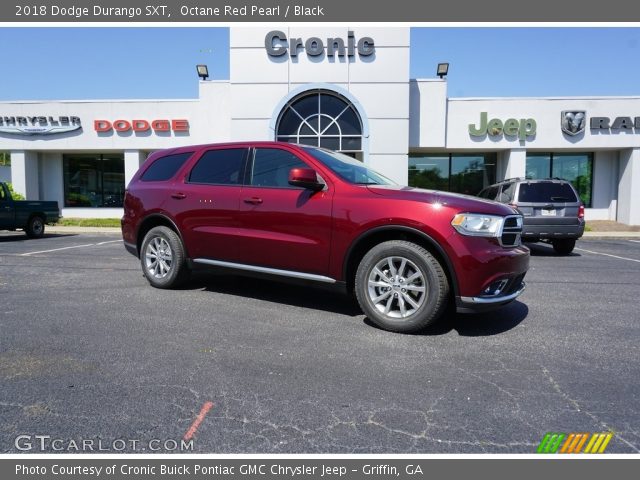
{"x": 476, "y": 324}
{"x": 333, "y": 300}
{"x": 21, "y": 237}
{"x": 312, "y": 296}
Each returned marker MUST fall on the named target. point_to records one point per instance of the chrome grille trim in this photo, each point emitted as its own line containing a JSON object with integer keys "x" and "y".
{"x": 512, "y": 227}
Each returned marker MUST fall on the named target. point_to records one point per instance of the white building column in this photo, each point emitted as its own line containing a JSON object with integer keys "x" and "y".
{"x": 132, "y": 161}
{"x": 24, "y": 173}
{"x": 628, "y": 183}
{"x": 512, "y": 164}
{"x": 52, "y": 177}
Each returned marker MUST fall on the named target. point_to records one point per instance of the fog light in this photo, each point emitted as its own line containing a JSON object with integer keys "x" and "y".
{"x": 495, "y": 288}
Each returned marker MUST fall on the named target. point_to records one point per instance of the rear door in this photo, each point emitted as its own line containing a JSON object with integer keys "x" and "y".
{"x": 282, "y": 226}
{"x": 205, "y": 203}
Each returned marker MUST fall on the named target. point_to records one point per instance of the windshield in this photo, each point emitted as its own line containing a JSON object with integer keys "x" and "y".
{"x": 347, "y": 168}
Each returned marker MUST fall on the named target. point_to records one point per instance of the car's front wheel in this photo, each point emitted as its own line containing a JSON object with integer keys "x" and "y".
{"x": 163, "y": 258}
{"x": 564, "y": 247}
{"x": 401, "y": 287}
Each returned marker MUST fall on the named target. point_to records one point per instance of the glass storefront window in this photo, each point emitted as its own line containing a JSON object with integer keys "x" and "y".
{"x": 471, "y": 173}
{"x": 430, "y": 172}
{"x": 93, "y": 180}
{"x": 577, "y": 168}
{"x": 461, "y": 173}
{"x": 538, "y": 165}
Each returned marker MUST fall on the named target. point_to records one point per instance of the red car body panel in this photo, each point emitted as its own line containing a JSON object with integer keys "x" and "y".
{"x": 313, "y": 232}
{"x": 289, "y": 229}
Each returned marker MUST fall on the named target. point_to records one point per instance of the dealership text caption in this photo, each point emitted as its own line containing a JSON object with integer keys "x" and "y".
{"x": 216, "y": 470}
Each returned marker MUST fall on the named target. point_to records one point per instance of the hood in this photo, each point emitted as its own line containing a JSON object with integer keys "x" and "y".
{"x": 458, "y": 201}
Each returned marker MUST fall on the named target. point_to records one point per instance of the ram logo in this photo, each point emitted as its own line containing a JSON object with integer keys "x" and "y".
{"x": 573, "y": 122}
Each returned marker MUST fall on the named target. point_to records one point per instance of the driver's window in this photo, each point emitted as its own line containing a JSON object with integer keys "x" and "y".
{"x": 271, "y": 167}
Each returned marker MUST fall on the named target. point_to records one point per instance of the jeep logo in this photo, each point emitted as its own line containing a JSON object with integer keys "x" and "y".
{"x": 522, "y": 128}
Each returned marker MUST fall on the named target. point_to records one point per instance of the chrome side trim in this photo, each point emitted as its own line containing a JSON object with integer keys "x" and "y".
{"x": 272, "y": 271}
{"x": 489, "y": 300}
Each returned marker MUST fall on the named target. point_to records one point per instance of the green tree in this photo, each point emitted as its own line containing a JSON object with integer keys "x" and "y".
{"x": 15, "y": 195}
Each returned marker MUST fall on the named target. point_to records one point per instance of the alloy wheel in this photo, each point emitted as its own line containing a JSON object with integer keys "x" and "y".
{"x": 397, "y": 287}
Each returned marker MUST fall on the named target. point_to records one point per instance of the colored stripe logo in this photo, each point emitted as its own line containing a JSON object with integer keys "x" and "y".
{"x": 574, "y": 442}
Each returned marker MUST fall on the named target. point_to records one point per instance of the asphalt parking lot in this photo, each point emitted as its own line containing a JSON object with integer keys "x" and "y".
{"x": 88, "y": 350}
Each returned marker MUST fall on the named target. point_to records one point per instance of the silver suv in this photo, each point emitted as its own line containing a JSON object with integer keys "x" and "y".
{"x": 551, "y": 208}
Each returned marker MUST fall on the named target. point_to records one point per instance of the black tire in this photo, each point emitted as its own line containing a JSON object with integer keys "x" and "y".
{"x": 370, "y": 286}
{"x": 564, "y": 247}
{"x": 35, "y": 227}
{"x": 162, "y": 267}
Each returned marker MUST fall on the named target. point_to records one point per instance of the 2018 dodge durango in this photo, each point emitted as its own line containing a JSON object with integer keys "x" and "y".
{"x": 312, "y": 214}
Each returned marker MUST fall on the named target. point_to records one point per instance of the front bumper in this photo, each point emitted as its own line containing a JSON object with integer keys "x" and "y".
{"x": 485, "y": 303}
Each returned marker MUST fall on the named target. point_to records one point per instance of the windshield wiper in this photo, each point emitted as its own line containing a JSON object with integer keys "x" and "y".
{"x": 367, "y": 183}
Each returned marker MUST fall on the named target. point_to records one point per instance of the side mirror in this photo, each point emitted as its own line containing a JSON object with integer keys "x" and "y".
{"x": 305, "y": 178}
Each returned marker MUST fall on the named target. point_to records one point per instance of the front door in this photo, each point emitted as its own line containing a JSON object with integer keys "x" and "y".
{"x": 282, "y": 226}
{"x": 7, "y": 210}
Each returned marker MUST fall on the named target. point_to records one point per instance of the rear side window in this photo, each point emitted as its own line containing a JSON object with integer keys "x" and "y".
{"x": 219, "y": 167}
{"x": 506, "y": 196}
{"x": 271, "y": 167}
{"x": 490, "y": 193}
{"x": 165, "y": 168}
{"x": 546, "y": 192}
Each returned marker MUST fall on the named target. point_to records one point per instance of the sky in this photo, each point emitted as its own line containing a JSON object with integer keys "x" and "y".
{"x": 120, "y": 63}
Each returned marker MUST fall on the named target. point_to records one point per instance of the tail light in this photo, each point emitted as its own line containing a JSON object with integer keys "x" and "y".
{"x": 581, "y": 211}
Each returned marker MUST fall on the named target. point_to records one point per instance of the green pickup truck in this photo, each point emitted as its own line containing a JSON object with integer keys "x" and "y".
{"x": 28, "y": 215}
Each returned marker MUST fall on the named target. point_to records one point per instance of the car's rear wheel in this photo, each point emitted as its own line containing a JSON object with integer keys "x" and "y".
{"x": 35, "y": 227}
{"x": 401, "y": 287}
{"x": 564, "y": 246}
{"x": 163, "y": 258}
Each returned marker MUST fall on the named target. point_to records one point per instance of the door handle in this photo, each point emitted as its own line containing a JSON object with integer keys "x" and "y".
{"x": 178, "y": 195}
{"x": 253, "y": 200}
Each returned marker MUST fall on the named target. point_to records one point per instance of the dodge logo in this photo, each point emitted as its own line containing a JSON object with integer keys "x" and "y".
{"x": 573, "y": 122}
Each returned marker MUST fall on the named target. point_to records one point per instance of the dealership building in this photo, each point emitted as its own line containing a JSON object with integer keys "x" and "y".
{"x": 343, "y": 88}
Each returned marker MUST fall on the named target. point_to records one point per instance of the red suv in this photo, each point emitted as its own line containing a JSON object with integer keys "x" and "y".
{"x": 313, "y": 214}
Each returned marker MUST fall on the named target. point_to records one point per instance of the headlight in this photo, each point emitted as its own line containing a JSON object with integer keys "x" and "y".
{"x": 479, "y": 225}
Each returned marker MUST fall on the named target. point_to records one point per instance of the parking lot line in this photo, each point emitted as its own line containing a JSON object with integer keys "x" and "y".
{"x": 196, "y": 423}
{"x": 609, "y": 255}
{"x": 635, "y": 241}
{"x": 68, "y": 248}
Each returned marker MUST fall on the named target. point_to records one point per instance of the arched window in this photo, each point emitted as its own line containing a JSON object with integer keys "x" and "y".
{"x": 321, "y": 118}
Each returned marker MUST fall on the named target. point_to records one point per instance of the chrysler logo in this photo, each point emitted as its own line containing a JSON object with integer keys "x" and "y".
{"x": 39, "y": 125}
{"x": 573, "y": 122}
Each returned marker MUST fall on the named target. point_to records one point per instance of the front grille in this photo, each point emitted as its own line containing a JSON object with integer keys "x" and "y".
{"x": 511, "y": 231}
